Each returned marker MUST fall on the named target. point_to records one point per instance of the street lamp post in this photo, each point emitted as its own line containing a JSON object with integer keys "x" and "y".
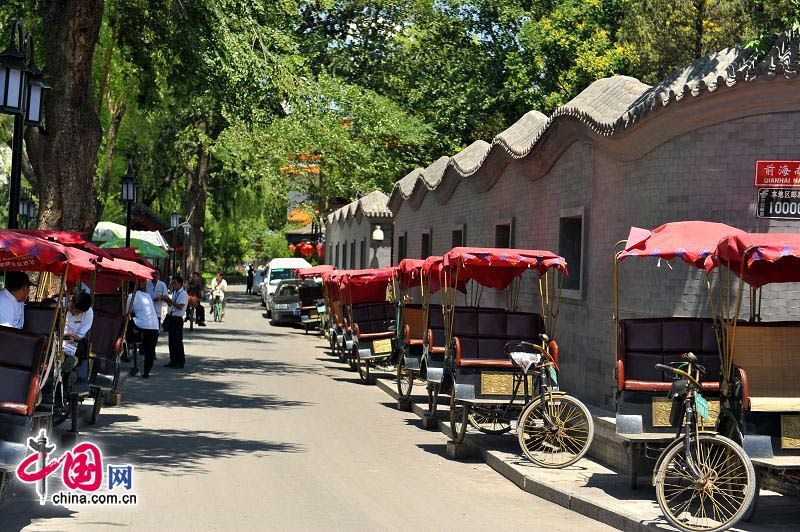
{"x": 22, "y": 89}
{"x": 23, "y": 208}
{"x": 186, "y": 230}
{"x": 129, "y": 192}
{"x": 175, "y": 221}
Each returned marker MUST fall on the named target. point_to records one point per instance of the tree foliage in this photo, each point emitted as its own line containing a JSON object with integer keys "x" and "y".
{"x": 226, "y": 105}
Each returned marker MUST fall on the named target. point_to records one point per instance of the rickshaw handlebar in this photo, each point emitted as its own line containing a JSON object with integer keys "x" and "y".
{"x": 679, "y": 372}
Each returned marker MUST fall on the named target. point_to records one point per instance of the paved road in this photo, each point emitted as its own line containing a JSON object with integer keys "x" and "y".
{"x": 264, "y": 431}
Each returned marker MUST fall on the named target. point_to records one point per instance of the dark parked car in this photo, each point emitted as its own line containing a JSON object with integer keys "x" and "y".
{"x": 284, "y": 306}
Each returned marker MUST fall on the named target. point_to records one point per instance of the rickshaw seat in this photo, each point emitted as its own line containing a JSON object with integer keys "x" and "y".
{"x": 485, "y": 333}
{"x": 111, "y": 303}
{"x": 105, "y": 336}
{"x": 39, "y": 319}
{"x": 643, "y": 343}
{"x": 19, "y": 362}
{"x": 413, "y": 326}
{"x": 374, "y": 320}
{"x": 766, "y": 356}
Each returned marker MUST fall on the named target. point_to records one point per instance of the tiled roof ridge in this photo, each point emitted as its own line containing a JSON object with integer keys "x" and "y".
{"x": 373, "y": 204}
{"x": 612, "y": 105}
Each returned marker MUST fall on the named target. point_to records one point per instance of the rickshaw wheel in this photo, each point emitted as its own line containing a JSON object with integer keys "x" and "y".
{"x": 405, "y": 380}
{"x": 99, "y": 397}
{"x": 488, "y": 420}
{"x": 459, "y": 418}
{"x": 724, "y": 496}
{"x": 433, "y": 399}
{"x": 363, "y": 367}
{"x": 560, "y": 443}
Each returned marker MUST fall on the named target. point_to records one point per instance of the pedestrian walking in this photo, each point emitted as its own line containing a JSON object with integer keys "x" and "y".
{"x": 177, "y": 311}
{"x": 250, "y": 274}
{"x": 157, "y": 290}
{"x": 146, "y": 323}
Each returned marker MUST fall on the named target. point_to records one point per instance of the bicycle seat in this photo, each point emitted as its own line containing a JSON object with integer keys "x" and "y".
{"x": 523, "y": 355}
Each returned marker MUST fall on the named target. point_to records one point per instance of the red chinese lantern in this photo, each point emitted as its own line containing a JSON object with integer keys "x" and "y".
{"x": 320, "y": 250}
{"x": 305, "y": 249}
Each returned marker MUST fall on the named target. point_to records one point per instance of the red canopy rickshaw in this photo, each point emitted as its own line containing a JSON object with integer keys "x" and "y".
{"x": 370, "y": 318}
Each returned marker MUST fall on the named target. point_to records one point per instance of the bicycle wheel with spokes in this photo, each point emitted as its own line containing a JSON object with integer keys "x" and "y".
{"x": 718, "y": 498}
{"x": 489, "y": 420}
{"x": 556, "y": 432}
{"x": 405, "y": 380}
{"x": 459, "y": 413}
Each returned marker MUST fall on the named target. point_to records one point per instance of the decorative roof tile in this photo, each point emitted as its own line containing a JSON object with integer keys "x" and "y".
{"x": 612, "y": 105}
{"x": 374, "y": 204}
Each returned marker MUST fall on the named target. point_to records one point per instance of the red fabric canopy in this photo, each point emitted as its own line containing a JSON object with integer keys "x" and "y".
{"x": 762, "y": 258}
{"x": 497, "y": 267}
{"x": 316, "y": 271}
{"x": 123, "y": 253}
{"x": 432, "y": 268}
{"x": 21, "y": 252}
{"x": 365, "y": 286}
{"x": 693, "y": 241}
{"x": 79, "y": 262}
{"x": 67, "y": 238}
{"x": 409, "y": 272}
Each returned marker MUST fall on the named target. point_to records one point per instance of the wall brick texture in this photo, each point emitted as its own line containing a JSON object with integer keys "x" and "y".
{"x": 706, "y": 174}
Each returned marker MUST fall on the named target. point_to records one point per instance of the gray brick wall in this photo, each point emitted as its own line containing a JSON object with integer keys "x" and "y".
{"x": 358, "y": 230}
{"x": 706, "y": 174}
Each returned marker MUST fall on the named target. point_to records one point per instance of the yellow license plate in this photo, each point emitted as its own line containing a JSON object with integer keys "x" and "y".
{"x": 382, "y": 346}
{"x": 790, "y": 431}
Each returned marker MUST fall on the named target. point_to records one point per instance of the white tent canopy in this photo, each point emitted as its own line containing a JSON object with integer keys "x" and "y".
{"x": 105, "y": 231}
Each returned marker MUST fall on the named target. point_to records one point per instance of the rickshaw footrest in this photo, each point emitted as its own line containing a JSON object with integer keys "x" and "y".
{"x": 430, "y": 422}
{"x": 404, "y": 405}
{"x": 113, "y": 399}
{"x": 459, "y": 450}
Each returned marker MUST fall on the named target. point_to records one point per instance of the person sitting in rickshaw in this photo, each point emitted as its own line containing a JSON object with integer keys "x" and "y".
{"x": 80, "y": 317}
{"x": 12, "y": 299}
{"x": 219, "y": 287}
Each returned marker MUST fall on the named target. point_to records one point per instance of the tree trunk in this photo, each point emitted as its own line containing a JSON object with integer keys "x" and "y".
{"x": 64, "y": 156}
{"x": 116, "y": 112}
{"x": 196, "y": 195}
{"x": 700, "y": 14}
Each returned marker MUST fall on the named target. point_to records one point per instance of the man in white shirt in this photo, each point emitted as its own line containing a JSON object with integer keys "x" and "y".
{"x": 177, "y": 310}
{"x": 79, "y": 321}
{"x": 144, "y": 319}
{"x": 157, "y": 290}
{"x": 12, "y": 299}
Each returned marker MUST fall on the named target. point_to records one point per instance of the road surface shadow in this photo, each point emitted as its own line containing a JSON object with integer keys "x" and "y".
{"x": 181, "y": 452}
{"x": 20, "y": 507}
{"x": 192, "y": 388}
{"x": 440, "y": 449}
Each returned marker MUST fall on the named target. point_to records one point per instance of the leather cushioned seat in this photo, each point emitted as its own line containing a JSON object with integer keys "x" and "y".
{"x": 111, "y": 303}
{"x": 483, "y": 340}
{"x": 105, "y": 335}
{"x": 650, "y": 341}
{"x": 20, "y": 356}
{"x": 39, "y": 319}
{"x": 374, "y": 320}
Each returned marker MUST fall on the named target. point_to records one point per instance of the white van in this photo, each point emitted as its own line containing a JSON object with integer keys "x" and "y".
{"x": 277, "y": 271}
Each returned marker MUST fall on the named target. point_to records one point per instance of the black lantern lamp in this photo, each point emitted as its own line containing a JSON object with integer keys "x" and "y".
{"x": 36, "y": 87}
{"x": 174, "y": 222}
{"x": 12, "y": 73}
{"x": 129, "y": 191}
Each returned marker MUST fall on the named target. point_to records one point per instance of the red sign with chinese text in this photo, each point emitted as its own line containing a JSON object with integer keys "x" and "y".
{"x": 777, "y": 174}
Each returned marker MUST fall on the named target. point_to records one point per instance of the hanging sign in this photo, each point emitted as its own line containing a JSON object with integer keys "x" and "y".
{"x": 777, "y": 174}
{"x": 778, "y": 203}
